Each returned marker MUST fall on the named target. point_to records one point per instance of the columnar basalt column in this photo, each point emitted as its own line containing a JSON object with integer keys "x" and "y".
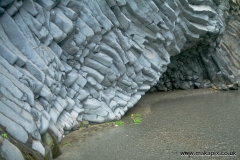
{"x": 62, "y": 62}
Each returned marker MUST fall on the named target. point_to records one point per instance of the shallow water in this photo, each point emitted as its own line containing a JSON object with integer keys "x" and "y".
{"x": 191, "y": 121}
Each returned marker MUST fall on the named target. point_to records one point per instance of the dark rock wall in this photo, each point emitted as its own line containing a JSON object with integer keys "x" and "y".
{"x": 62, "y": 62}
{"x": 213, "y": 62}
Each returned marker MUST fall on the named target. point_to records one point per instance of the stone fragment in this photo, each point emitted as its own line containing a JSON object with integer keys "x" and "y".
{"x": 19, "y": 40}
{"x": 57, "y": 33}
{"x": 14, "y": 129}
{"x": 26, "y": 91}
{"x": 5, "y": 82}
{"x": 93, "y": 117}
{"x": 62, "y": 21}
{"x": 37, "y": 146}
{"x": 9, "y": 151}
{"x": 30, "y": 6}
{"x": 71, "y": 78}
{"x": 46, "y": 93}
{"x": 7, "y": 54}
{"x": 48, "y": 4}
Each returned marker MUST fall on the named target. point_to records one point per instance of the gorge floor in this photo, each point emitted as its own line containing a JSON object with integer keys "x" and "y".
{"x": 173, "y": 122}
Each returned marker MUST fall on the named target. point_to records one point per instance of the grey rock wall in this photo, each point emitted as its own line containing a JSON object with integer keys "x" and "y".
{"x": 213, "y": 62}
{"x": 62, "y": 62}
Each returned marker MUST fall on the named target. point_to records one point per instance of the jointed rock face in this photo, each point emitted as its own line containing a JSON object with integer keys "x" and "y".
{"x": 212, "y": 61}
{"x": 62, "y": 62}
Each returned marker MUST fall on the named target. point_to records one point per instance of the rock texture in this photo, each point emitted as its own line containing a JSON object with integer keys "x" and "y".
{"x": 62, "y": 62}
{"x": 213, "y": 61}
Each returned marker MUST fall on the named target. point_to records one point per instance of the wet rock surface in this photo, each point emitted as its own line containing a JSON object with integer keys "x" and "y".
{"x": 62, "y": 62}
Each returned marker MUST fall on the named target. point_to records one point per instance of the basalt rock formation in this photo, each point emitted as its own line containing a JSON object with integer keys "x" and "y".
{"x": 62, "y": 62}
{"x": 213, "y": 61}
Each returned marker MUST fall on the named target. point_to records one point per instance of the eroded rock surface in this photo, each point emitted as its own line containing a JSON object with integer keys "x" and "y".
{"x": 62, "y": 62}
{"x": 213, "y": 62}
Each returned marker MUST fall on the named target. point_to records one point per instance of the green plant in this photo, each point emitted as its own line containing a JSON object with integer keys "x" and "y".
{"x": 67, "y": 143}
{"x": 108, "y": 123}
{"x": 4, "y": 135}
{"x": 137, "y": 118}
{"x": 119, "y": 123}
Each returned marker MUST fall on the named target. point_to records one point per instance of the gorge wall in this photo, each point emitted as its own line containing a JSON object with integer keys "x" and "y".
{"x": 62, "y": 62}
{"x": 213, "y": 61}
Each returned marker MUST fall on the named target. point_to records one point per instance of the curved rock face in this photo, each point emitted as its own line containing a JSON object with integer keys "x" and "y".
{"x": 212, "y": 62}
{"x": 62, "y": 62}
